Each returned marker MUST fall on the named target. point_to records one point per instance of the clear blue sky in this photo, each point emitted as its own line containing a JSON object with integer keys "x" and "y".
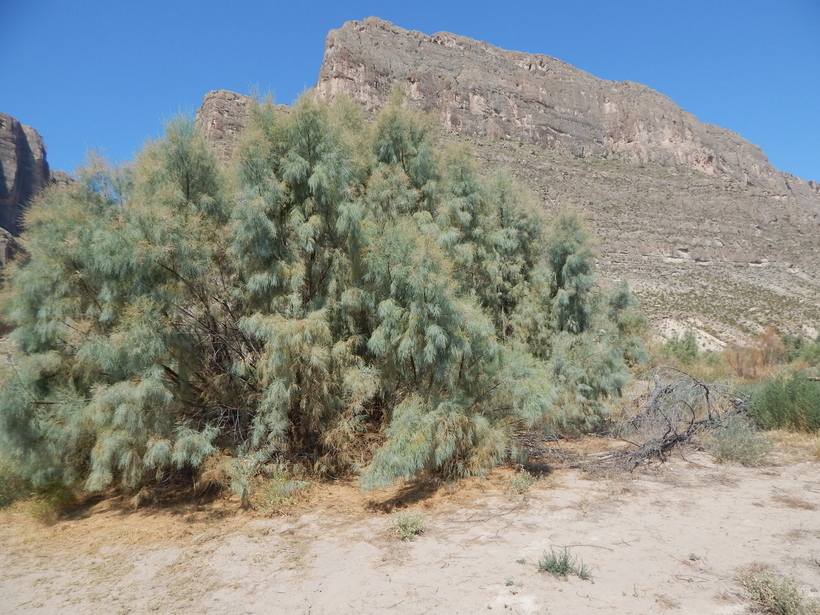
{"x": 105, "y": 73}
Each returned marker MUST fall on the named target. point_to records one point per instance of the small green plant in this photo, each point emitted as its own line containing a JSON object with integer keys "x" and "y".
{"x": 562, "y": 564}
{"x": 240, "y": 477}
{"x": 583, "y": 572}
{"x": 738, "y": 441}
{"x": 557, "y": 564}
{"x": 408, "y": 525}
{"x": 520, "y": 483}
{"x": 776, "y": 594}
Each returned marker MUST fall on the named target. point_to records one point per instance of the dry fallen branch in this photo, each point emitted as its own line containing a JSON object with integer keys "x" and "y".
{"x": 540, "y": 448}
{"x": 677, "y": 406}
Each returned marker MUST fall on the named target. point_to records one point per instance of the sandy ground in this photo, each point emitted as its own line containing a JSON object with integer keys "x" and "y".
{"x": 665, "y": 540}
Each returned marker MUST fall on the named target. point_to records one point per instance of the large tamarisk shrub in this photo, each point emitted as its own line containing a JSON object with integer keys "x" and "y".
{"x": 343, "y": 296}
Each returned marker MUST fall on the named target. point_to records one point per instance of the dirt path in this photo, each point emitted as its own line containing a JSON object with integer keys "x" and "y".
{"x": 669, "y": 540}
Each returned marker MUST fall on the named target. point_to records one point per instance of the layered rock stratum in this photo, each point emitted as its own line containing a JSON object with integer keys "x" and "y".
{"x": 24, "y": 170}
{"x": 710, "y": 235}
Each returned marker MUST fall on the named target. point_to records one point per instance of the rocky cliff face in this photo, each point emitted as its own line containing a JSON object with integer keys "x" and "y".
{"x": 221, "y": 118}
{"x": 23, "y": 170}
{"x": 476, "y": 89}
{"x": 707, "y": 232}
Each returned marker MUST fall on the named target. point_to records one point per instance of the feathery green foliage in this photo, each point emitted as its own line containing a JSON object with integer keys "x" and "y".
{"x": 342, "y": 297}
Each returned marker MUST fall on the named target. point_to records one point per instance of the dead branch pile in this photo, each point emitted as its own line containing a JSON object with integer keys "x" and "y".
{"x": 676, "y": 407}
{"x": 541, "y": 449}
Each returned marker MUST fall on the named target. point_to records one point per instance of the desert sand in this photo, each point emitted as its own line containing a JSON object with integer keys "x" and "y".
{"x": 670, "y": 538}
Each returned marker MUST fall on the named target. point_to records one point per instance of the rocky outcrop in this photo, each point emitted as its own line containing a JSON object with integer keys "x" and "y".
{"x": 8, "y": 247}
{"x": 221, "y": 118}
{"x": 476, "y": 89}
{"x": 23, "y": 170}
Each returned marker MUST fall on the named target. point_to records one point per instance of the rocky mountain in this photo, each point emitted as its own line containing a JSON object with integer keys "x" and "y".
{"x": 23, "y": 170}
{"x": 476, "y": 89}
{"x": 710, "y": 235}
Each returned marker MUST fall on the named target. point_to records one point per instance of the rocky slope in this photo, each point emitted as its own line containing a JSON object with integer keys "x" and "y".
{"x": 710, "y": 235}
{"x": 23, "y": 170}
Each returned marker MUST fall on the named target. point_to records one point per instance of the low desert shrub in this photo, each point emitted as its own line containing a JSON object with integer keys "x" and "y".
{"x": 519, "y": 483}
{"x": 408, "y": 525}
{"x": 562, "y": 564}
{"x": 790, "y": 401}
{"x": 776, "y": 594}
{"x": 277, "y": 492}
{"x": 738, "y": 441}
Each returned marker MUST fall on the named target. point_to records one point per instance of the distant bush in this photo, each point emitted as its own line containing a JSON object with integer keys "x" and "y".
{"x": 797, "y": 348}
{"x": 793, "y": 346}
{"x": 811, "y": 353}
{"x": 756, "y": 361}
{"x": 683, "y": 348}
{"x": 790, "y": 401}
